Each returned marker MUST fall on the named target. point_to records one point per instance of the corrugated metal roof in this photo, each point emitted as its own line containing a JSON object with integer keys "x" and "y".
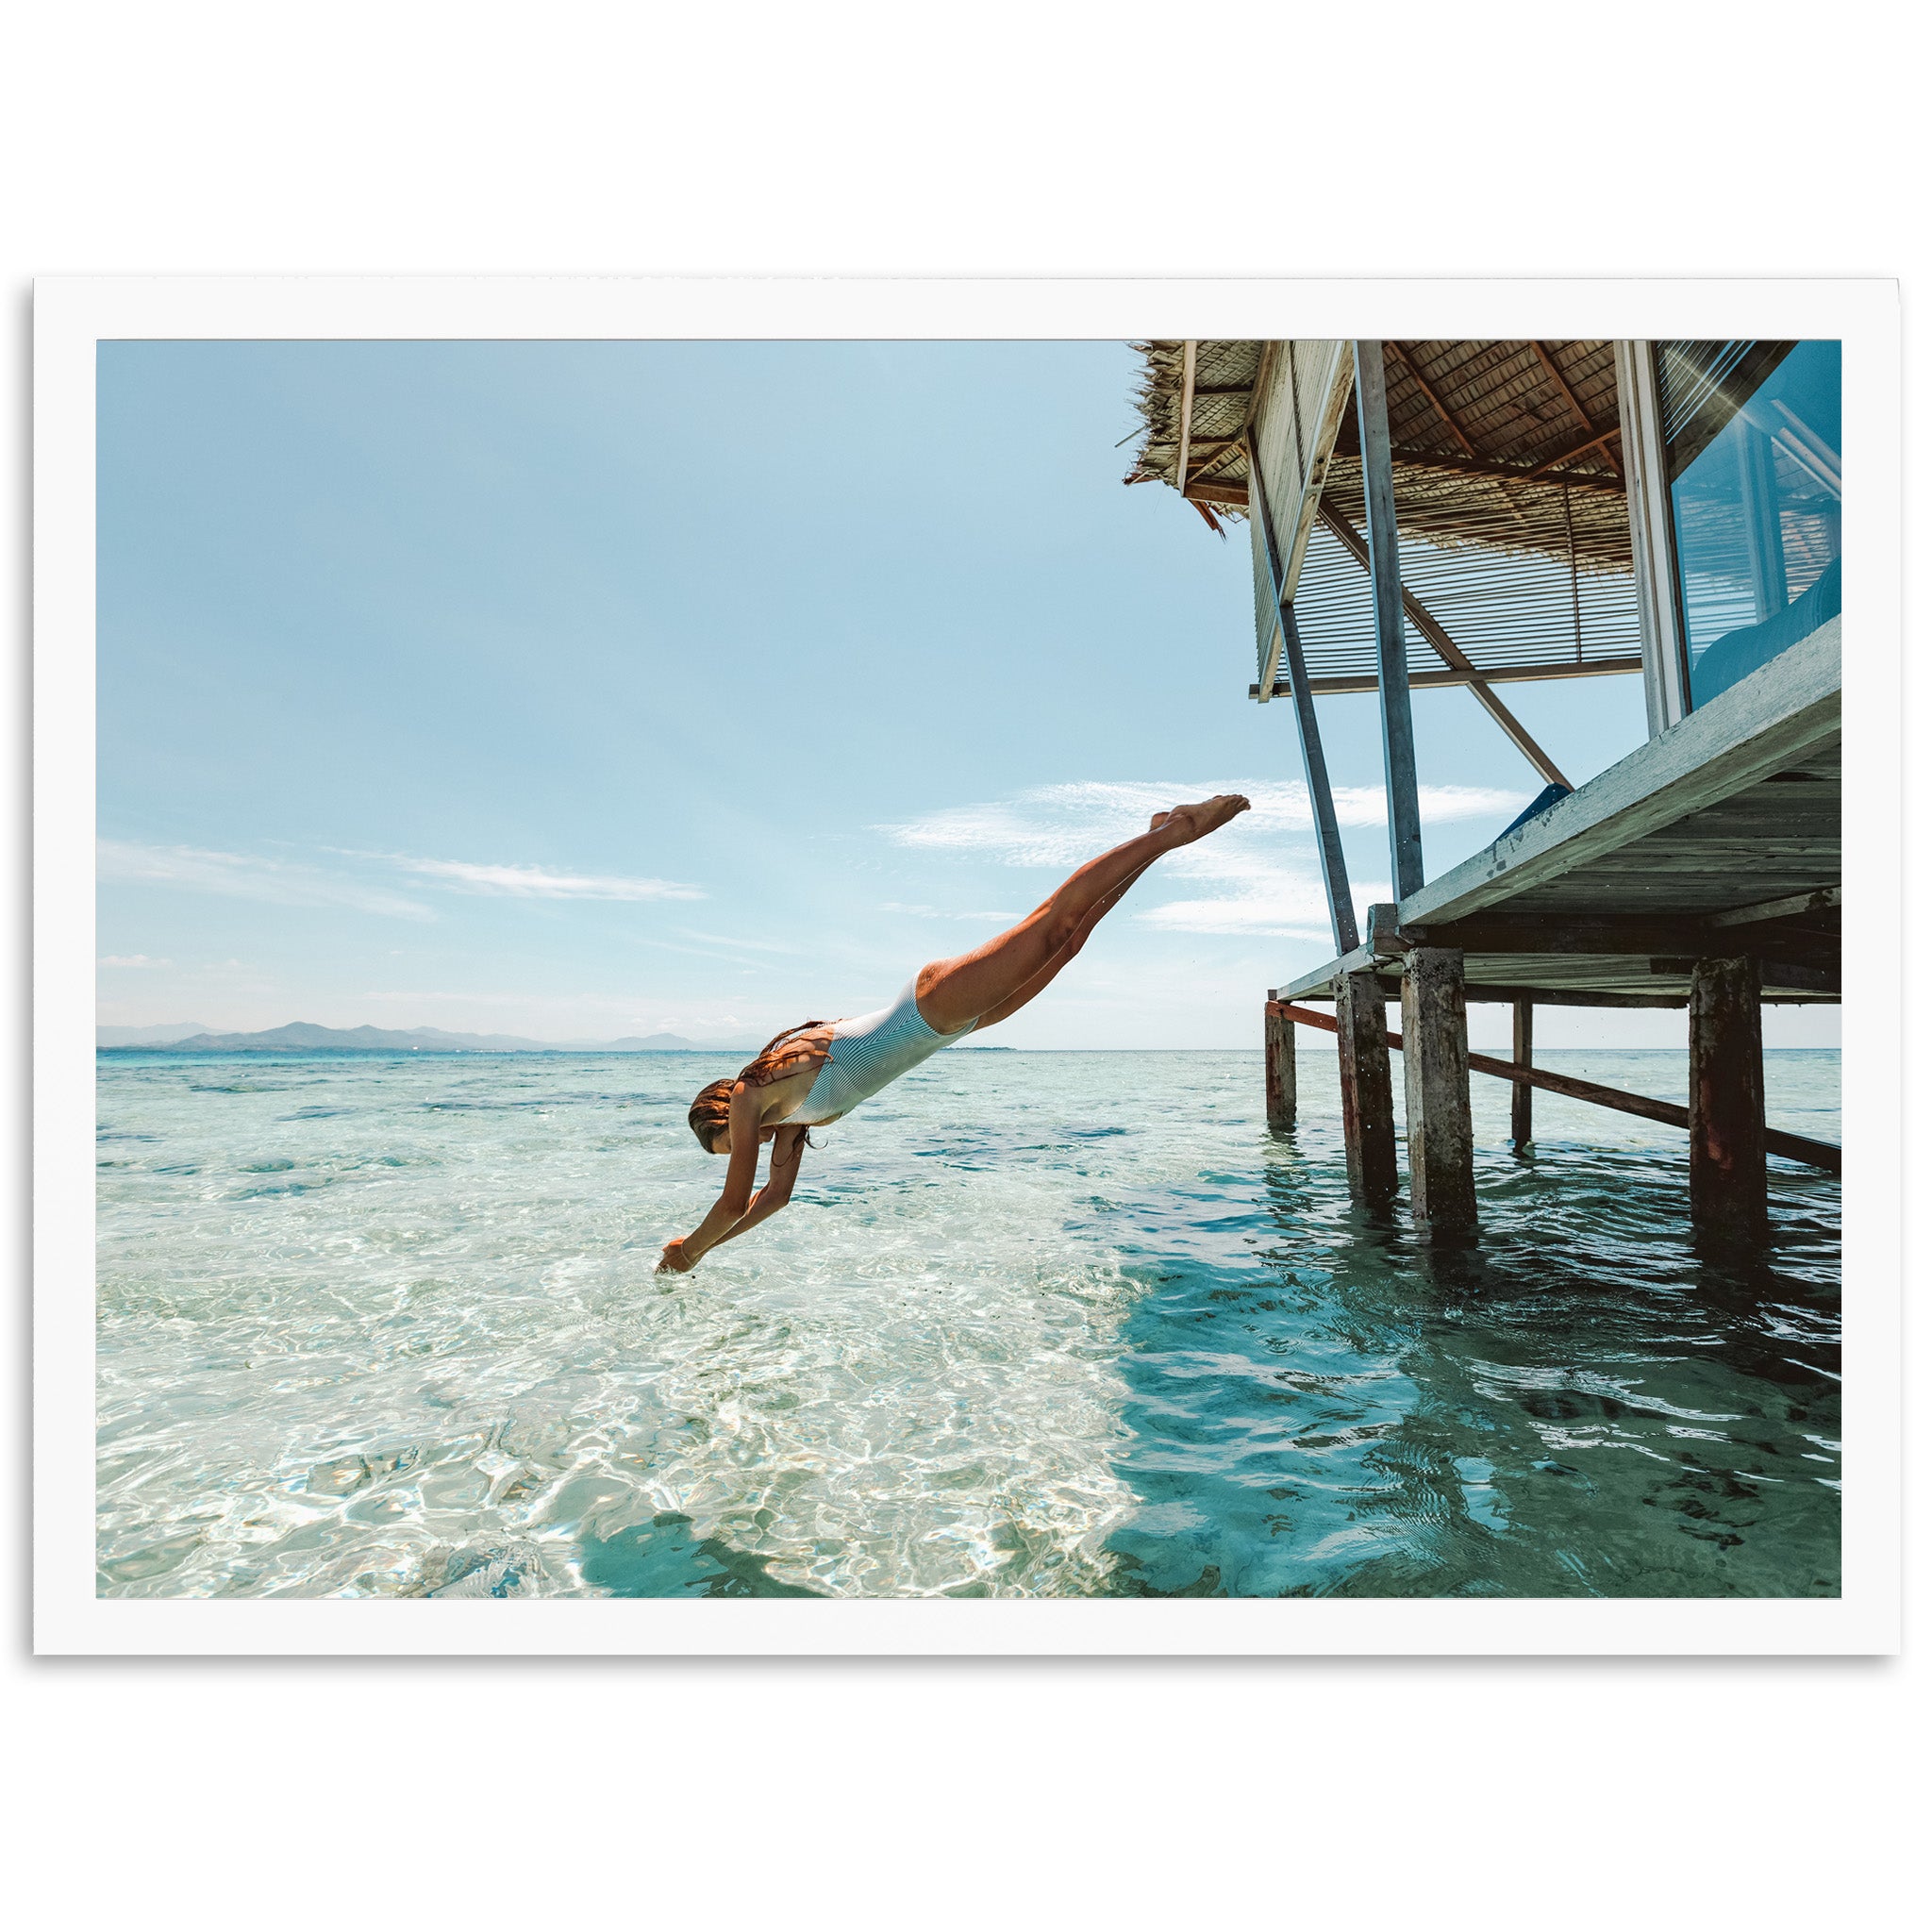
{"x": 1537, "y": 577}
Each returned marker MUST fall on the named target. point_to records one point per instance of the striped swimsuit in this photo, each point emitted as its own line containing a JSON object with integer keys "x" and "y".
{"x": 867, "y": 1054}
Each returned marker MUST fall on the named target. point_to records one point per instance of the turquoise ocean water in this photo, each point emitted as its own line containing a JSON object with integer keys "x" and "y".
{"x": 1035, "y": 1324}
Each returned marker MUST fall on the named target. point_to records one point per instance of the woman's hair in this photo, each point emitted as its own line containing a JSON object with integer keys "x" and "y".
{"x": 711, "y": 1110}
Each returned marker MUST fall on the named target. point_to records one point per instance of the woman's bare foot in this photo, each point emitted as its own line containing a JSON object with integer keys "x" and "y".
{"x": 1196, "y": 820}
{"x": 1159, "y": 819}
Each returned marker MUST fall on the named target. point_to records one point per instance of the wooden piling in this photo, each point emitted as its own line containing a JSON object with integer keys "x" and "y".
{"x": 1818, "y": 1154}
{"x": 1435, "y": 1066}
{"x": 1727, "y": 1173}
{"x": 1368, "y": 1099}
{"x": 1279, "y": 1031}
{"x": 1521, "y": 1126}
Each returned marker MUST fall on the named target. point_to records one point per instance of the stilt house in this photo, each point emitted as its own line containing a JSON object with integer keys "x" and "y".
{"x": 1481, "y": 513}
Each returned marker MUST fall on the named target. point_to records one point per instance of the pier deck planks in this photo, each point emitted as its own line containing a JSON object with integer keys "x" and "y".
{"x": 1737, "y": 805}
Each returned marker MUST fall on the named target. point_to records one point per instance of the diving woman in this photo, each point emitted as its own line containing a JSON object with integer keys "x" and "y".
{"x": 817, "y": 1072}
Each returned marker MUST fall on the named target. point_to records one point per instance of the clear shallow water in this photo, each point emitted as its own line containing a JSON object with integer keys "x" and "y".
{"x": 1035, "y": 1324}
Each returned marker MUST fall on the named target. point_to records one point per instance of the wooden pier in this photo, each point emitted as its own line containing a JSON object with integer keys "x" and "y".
{"x": 1699, "y": 872}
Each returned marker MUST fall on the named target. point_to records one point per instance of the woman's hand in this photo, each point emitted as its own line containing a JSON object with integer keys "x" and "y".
{"x": 674, "y": 1261}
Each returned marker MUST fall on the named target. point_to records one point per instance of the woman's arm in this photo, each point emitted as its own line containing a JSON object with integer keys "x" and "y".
{"x": 735, "y": 1202}
{"x": 787, "y": 1150}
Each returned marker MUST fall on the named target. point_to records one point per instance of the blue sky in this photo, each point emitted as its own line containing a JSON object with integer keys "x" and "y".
{"x": 578, "y": 690}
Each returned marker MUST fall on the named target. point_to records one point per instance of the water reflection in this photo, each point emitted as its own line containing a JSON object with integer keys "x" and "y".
{"x": 1576, "y": 1400}
{"x": 663, "y": 1558}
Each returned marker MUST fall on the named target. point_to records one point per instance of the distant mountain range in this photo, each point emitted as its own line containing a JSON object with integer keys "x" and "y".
{"x": 148, "y": 1035}
{"x": 301, "y": 1037}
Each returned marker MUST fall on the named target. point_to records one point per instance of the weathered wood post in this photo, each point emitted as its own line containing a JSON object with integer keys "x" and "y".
{"x": 1279, "y": 1030}
{"x": 1368, "y": 1100}
{"x": 1435, "y": 1069}
{"x": 1521, "y": 1130}
{"x": 1727, "y": 1178}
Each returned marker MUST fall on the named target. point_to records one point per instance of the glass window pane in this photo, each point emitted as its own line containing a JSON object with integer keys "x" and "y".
{"x": 1752, "y": 433}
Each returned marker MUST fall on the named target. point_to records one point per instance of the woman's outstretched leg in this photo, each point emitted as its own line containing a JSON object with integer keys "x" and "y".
{"x": 953, "y": 993}
{"x": 1067, "y": 954}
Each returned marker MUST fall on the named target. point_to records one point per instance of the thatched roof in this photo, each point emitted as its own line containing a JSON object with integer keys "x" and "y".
{"x": 1224, "y": 378}
{"x": 1485, "y": 435}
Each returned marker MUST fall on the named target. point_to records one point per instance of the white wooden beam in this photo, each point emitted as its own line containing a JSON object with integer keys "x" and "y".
{"x": 1653, "y": 540}
{"x": 1490, "y": 673}
{"x": 1189, "y": 356}
{"x": 1276, "y": 423}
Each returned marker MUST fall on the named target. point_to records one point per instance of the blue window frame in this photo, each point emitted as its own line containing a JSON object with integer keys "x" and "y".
{"x": 1752, "y": 439}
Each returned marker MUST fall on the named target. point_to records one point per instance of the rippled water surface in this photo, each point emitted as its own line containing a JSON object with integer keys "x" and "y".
{"x": 1035, "y": 1324}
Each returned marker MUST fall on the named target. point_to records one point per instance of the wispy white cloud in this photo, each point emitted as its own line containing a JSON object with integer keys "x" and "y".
{"x": 131, "y": 960}
{"x": 535, "y": 882}
{"x": 935, "y": 913}
{"x": 720, "y": 939}
{"x": 1062, "y": 824}
{"x": 1257, "y": 888}
{"x": 241, "y": 876}
{"x": 1289, "y": 906}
